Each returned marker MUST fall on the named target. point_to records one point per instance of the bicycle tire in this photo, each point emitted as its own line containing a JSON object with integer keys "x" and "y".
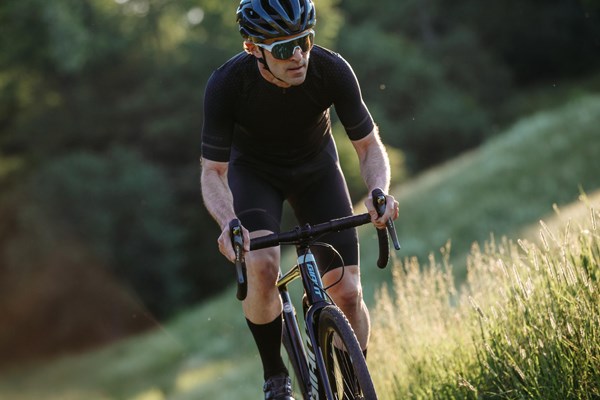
{"x": 349, "y": 377}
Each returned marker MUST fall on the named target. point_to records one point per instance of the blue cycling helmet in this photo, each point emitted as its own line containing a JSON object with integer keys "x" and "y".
{"x": 260, "y": 20}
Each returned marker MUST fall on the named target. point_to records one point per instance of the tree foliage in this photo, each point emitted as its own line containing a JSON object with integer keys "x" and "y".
{"x": 439, "y": 73}
{"x": 119, "y": 207}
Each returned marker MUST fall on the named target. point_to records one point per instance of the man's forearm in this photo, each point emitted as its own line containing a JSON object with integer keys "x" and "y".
{"x": 374, "y": 162}
{"x": 216, "y": 193}
{"x": 376, "y": 170}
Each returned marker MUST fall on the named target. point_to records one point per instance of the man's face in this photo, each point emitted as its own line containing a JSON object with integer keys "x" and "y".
{"x": 291, "y": 70}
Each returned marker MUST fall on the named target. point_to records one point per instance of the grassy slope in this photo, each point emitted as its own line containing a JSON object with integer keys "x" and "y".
{"x": 524, "y": 326}
{"x": 509, "y": 183}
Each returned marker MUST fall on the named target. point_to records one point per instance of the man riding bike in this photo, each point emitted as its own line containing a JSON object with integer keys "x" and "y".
{"x": 266, "y": 139}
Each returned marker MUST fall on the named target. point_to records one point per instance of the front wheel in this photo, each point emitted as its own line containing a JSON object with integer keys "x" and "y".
{"x": 346, "y": 367}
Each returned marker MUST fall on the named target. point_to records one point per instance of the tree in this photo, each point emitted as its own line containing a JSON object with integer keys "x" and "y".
{"x": 118, "y": 208}
{"x": 440, "y": 73}
{"x": 101, "y": 96}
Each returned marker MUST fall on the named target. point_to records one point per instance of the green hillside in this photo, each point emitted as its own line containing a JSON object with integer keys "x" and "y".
{"x": 525, "y": 325}
{"x": 504, "y": 187}
{"x": 545, "y": 159}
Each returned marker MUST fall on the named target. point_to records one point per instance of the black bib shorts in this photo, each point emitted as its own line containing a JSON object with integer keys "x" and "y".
{"x": 316, "y": 191}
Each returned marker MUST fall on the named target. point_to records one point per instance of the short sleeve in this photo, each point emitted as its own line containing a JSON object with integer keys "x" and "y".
{"x": 348, "y": 102}
{"x": 218, "y": 124}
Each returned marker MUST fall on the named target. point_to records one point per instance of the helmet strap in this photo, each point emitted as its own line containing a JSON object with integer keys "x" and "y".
{"x": 263, "y": 61}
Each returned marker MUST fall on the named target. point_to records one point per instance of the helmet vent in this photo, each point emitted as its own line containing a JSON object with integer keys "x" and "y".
{"x": 264, "y": 19}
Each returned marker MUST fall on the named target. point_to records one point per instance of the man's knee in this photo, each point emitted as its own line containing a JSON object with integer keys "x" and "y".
{"x": 348, "y": 296}
{"x": 263, "y": 266}
{"x": 347, "y": 293}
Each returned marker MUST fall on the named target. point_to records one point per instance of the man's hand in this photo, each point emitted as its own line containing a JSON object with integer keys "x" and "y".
{"x": 391, "y": 211}
{"x": 225, "y": 245}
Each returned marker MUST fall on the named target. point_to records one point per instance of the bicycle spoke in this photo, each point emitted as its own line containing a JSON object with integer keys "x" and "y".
{"x": 348, "y": 376}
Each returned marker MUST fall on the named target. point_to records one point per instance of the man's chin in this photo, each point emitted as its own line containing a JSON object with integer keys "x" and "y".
{"x": 296, "y": 76}
{"x": 296, "y": 80}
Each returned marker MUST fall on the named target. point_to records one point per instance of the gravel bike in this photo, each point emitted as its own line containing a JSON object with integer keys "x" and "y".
{"x": 327, "y": 360}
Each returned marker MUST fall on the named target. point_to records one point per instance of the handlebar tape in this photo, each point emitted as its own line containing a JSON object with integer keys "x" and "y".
{"x": 237, "y": 239}
{"x": 379, "y": 202}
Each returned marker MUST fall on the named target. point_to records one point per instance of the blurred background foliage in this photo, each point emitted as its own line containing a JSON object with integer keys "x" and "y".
{"x": 101, "y": 114}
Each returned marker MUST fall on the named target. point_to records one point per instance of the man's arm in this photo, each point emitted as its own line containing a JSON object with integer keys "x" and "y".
{"x": 375, "y": 170}
{"x": 219, "y": 202}
{"x": 215, "y": 191}
{"x": 373, "y": 161}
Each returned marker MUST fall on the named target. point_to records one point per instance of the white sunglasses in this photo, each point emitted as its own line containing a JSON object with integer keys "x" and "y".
{"x": 284, "y": 49}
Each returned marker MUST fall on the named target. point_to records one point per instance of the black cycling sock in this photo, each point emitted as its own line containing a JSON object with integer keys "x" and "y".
{"x": 268, "y": 341}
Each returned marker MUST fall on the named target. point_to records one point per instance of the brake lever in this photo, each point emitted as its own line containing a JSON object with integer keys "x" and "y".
{"x": 380, "y": 202}
{"x": 237, "y": 240}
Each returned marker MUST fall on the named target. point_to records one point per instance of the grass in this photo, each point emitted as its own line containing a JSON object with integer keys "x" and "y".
{"x": 172, "y": 362}
{"x": 513, "y": 180}
{"x": 439, "y": 346}
{"x": 524, "y": 326}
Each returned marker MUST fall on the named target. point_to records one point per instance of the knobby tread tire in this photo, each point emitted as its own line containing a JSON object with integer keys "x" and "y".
{"x": 334, "y": 330}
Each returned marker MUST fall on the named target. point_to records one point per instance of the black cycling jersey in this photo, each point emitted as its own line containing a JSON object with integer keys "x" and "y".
{"x": 279, "y": 145}
{"x": 275, "y": 125}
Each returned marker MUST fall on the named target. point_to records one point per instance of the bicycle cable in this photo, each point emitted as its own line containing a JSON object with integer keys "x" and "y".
{"x": 335, "y": 254}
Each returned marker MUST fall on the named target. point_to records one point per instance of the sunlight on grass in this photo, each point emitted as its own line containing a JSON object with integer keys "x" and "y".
{"x": 234, "y": 378}
{"x": 525, "y": 325}
{"x": 193, "y": 377}
{"x": 74, "y": 394}
{"x": 508, "y": 183}
{"x": 152, "y": 394}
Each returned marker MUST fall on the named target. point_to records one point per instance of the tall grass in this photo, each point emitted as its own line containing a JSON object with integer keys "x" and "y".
{"x": 526, "y": 324}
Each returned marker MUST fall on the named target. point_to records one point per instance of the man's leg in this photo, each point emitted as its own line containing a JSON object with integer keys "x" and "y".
{"x": 262, "y": 307}
{"x": 347, "y": 294}
{"x": 263, "y": 311}
{"x": 258, "y": 204}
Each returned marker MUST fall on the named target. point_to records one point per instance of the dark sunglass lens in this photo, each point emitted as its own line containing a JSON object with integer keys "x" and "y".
{"x": 283, "y": 51}
{"x": 305, "y": 42}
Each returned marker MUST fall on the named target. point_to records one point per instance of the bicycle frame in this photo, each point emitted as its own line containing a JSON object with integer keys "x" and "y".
{"x": 312, "y": 361}
{"x": 310, "y": 365}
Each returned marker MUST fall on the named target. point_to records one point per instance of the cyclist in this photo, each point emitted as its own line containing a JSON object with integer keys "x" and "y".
{"x": 266, "y": 138}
